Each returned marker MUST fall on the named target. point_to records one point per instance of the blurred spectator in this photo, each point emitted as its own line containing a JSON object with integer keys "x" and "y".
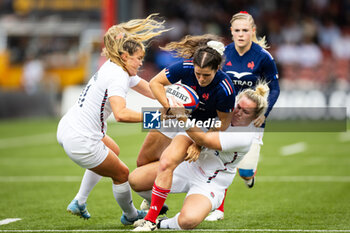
{"x": 328, "y": 32}
{"x": 287, "y": 54}
{"x": 341, "y": 46}
{"x": 33, "y": 73}
{"x": 178, "y": 28}
{"x": 310, "y": 55}
{"x": 292, "y": 32}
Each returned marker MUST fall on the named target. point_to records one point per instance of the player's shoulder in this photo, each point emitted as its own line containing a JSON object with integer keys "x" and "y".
{"x": 230, "y": 46}
{"x": 260, "y": 51}
{"x": 225, "y": 85}
{"x": 109, "y": 70}
{"x": 188, "y": 64}
{"x": 180, "y": 65}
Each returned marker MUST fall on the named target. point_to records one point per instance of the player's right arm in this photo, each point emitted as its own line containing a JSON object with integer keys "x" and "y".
{"x": 121, "y": 112}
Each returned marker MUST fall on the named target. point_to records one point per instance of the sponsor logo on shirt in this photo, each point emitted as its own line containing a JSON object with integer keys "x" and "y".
{"x": 239, "y": 75}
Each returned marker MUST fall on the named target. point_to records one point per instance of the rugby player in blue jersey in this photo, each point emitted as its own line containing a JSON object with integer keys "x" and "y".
{"x": 247, "y": 62}
{"x": 200, "y": 70}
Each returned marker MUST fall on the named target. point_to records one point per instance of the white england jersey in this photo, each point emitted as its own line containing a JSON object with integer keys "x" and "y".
{"x": 89, "y": 114}
{"x": 214, "y": 171}
{"x": 235, "y": 143}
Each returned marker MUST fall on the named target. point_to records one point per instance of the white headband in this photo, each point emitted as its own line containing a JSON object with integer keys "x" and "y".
{"x": 218, "y": 46}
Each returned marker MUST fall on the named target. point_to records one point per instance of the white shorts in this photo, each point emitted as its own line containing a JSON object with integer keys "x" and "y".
{"x": 84, "y": 151}
{"x": 188, "y": 178}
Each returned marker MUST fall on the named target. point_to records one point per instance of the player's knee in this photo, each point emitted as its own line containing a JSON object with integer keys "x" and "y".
{"x": 166, "y": 164}
{"x": 188, "y": 221}
{"x": 133, "y": 181}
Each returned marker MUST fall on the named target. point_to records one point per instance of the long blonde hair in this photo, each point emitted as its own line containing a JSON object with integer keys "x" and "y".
{"x": 130, "y": 36}
{"x": 245, "y": 15}
{"x": 258, "y": 96}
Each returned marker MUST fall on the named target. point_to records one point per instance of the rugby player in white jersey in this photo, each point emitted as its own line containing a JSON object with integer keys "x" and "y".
{"x": 206, "y": 177}
{"x": 82, "y": 130}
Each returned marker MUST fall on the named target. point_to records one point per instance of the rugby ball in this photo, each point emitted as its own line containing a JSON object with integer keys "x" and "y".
{"x": 183, "y": 94}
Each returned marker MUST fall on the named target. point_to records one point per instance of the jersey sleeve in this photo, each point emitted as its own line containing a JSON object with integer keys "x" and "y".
{"x": 270, "y": 74}
{"x": 134, "y": 80}
{"x": 269, "y": 68}
{"x": 273, "y": 95}
{"x": 225, "y": 99}
{"x": 118, "y": 86}
{"x": 177, "y": 71}
{"x": 235, "y": 141}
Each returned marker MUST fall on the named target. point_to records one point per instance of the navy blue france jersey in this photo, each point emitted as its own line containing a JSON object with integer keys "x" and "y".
{"x": 256, "y": 64}
{"x": 219, "y": 95}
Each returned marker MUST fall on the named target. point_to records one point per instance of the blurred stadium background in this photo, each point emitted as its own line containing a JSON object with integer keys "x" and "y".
{"x": 49, "y": 45}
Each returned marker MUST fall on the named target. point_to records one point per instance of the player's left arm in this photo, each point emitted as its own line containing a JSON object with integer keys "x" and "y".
{"x": 207, "y": 139}
{"x": 143, "y": 88}
{"x": 270, "y": 74}
{"x": 225, "y": 118}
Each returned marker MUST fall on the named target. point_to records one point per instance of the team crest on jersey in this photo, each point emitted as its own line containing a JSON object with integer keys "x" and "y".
{"x": 212, "y": 194}
{"x": 205, "y": 96}
{"x": 251, "y": 65}
{"x": 229, "y": 63}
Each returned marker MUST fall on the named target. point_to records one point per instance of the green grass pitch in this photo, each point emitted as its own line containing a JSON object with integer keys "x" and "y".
{"x": 304, "y": 191}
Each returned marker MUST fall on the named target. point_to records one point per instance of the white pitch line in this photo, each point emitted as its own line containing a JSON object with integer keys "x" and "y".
{"x": 337, "y": 179}
{"x": 194, "y": 230}
{"x": 9, "y": 220}
{"x": 344, "y": 136}
{"x": 30, "y": 140}
{"x": 341, "y": 179}
{"x": 293, "y": 149}
{"x": 50, "y": 138}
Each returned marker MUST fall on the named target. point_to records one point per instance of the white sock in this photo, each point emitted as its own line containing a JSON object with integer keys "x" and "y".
{"x": 90, "y": 179}
{"x": 146, "y": 195}
{"x": 171, "y": 223}
{"x": 122, "y": 194}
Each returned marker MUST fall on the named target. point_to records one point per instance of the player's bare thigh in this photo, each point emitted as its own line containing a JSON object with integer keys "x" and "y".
{"x": 152, "y": 148}
{"x": 113, "y": 167}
